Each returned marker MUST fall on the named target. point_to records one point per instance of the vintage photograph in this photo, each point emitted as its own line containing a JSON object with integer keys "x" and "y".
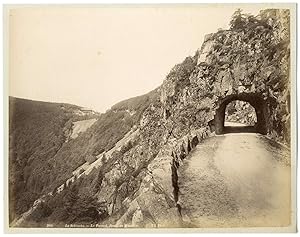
{"x": 170, "y": 116}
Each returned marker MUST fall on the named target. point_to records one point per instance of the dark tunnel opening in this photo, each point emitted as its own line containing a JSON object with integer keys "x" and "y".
{"x": 258, "y": 125}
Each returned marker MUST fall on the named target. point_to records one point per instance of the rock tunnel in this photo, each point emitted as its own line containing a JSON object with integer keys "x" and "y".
{"x": 254, "y": 100}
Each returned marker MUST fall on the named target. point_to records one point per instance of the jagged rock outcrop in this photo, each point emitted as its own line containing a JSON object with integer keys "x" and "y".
{"x": 249, "y": 62}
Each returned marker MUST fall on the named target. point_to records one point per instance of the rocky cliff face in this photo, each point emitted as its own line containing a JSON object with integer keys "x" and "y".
{"x": 138, "y": 185}
{"x": 249, "y": 62}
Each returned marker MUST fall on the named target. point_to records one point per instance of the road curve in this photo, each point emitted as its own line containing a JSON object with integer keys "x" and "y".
{"x": 236, "y": 180}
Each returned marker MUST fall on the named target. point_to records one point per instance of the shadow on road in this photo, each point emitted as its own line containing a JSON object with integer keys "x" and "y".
{"x": 241, "y": 129}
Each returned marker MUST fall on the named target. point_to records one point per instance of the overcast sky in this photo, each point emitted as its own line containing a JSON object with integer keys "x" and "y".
{"x": 96, "y": 57}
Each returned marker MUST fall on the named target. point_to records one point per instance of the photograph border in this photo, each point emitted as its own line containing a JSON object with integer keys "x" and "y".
{"x": 291, "y": 228}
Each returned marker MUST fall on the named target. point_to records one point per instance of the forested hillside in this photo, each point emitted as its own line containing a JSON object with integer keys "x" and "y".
{"x": 41, "y": 153}
{"x": 37, "y": 131}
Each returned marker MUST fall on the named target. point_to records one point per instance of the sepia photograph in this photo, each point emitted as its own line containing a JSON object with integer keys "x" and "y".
{"x": 141, "y": 117}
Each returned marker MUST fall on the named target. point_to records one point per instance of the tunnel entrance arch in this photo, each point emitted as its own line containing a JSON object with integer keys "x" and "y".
{"x": 254, "y": 100}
